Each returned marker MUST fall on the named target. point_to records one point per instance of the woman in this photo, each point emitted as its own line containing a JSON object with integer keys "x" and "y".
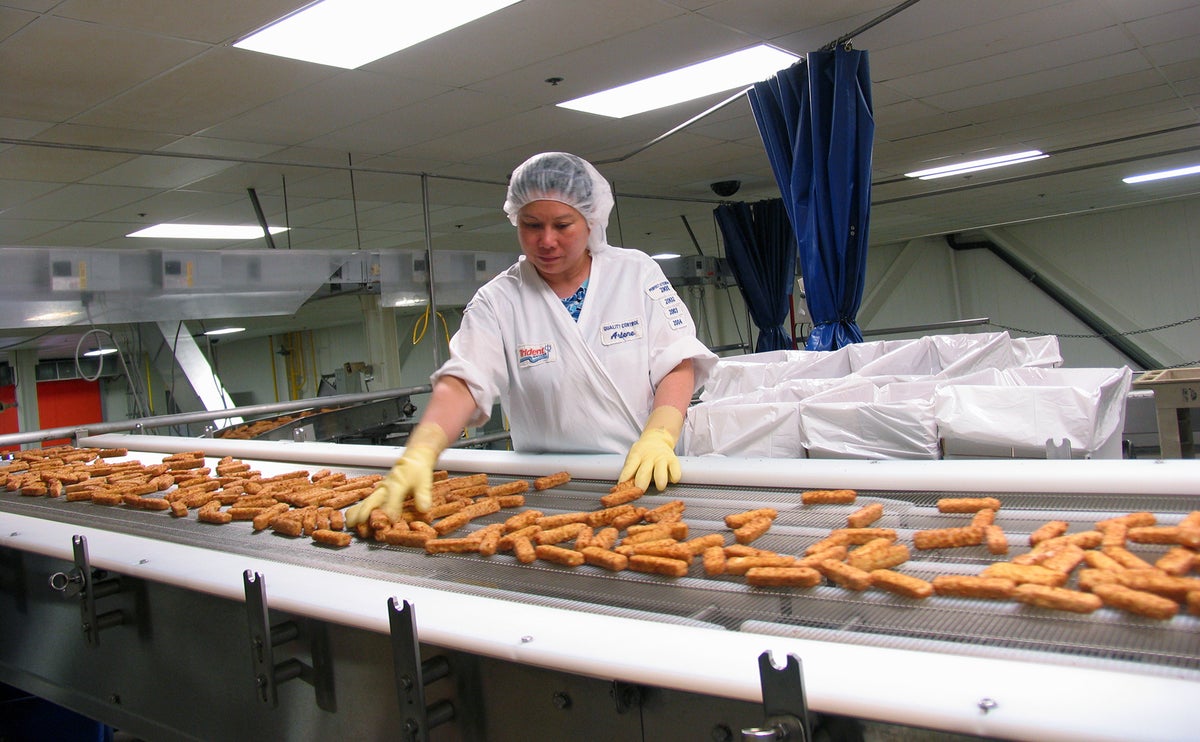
{"x": 587, "y": 346}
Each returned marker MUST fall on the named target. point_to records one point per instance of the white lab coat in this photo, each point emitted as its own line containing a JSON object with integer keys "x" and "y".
{"x": 570, "y": 387}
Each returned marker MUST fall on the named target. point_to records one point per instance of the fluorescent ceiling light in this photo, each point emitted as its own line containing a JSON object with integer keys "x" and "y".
{"x": 203, "y": 232}
{"x": 1177, "y": 172}
{"x": 973, "y": 165}
{"x": 350, "y": 33}
{"x": 100, "y": 352}
{"x": 224, "y": 331}
{"x": 665, "y": 256}
{"x": 713, "y": 76}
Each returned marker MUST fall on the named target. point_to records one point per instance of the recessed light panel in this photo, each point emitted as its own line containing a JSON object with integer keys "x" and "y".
{"x": 975, "y": 165}
{"x": 351, "y": 33}
{"x": 1162, "y": 174}
{"x": 203, "y": 232}
{"x": 688, "y": 83}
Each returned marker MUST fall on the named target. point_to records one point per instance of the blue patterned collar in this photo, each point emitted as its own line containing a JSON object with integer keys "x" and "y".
{"x": 574, "y": 302}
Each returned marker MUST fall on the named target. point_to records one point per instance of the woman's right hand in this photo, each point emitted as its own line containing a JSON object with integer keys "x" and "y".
{"x": 412, "y": 474}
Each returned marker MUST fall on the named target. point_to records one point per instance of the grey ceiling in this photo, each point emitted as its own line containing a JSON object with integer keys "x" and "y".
{"x": 115, "y": 114}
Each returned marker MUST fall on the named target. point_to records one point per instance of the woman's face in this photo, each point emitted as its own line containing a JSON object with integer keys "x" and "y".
{"x": 554, "y": 238}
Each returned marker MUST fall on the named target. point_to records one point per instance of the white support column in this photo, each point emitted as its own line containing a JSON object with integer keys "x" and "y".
{"x": 28, "y": 419}
{"x": 383, "y": 342}
{"x": 874, "y": 299}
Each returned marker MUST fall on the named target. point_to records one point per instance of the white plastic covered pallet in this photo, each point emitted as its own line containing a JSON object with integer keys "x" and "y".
{"x": 909, "y": 399}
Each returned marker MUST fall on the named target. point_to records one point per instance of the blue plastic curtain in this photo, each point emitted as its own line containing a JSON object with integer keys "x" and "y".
{"x": 816, "y": 123}
{"x": 761, "y": 248}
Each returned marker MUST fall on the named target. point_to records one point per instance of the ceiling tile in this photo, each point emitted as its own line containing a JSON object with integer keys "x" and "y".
{"x": 217, "y": 84}
{"x": 102, "y": 137}
{"x": 1062, "y": 77}
{"x": 210, "y": 21}
{"x": 334, "y": 103}
{"x": 63, "y": 84}
{"x": 520, "y": 36}
{"x": 76, "y": 202}
{"x": 14, "y": 192}
{"x": 55, "y": 164}
{"x": 13, "y": 20}
{"x": 22, "y": 128}
{"x": 157, "y": 172}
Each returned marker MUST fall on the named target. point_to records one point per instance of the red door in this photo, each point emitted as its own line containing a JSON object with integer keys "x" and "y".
{"x": 60, "y": 404}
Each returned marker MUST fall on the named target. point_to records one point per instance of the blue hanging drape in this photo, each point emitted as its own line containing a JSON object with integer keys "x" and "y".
{"x": 816, "y": 123}
{"x": 761, "y": 249}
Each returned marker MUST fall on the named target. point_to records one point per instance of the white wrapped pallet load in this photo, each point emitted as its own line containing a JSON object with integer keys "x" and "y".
{"x": 1032, "y": 407}
{"x": 769, "y": 430}
{"x": 881, "y": 430}
{"x": 797, "y": 390}
{"x": 958, "y": 356}
{"x": 943, "y": 355}
{"x": 1037, "y": 352}
{"x": 732, "y": 377}
{"x": 904, "y": 358}
{"x": 880, "y": 400}
{"x": 765, "y": 422}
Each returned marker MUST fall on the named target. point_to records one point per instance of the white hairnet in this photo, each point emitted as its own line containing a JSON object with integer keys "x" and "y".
{"x": 568, "y": 179}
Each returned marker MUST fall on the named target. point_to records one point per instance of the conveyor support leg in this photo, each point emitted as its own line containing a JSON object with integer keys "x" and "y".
{"x": 90, "y": 585}
{"x": 412, "y": 675}
{"x": 264, "y": 637}
{"x": 784, "y": 705}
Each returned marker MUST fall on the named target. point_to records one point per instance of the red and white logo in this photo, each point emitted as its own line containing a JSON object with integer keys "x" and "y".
{"x": 533, "y": 355}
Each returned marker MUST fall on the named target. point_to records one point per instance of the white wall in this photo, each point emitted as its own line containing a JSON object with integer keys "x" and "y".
{"x": 1136, "y": 269}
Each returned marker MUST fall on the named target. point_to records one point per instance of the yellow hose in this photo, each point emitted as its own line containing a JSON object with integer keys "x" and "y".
{"x": 422, "y": 325}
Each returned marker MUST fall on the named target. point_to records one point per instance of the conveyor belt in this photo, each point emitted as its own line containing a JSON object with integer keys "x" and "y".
{"x": 993, "y": 669}
{"x": 826, "y": 612}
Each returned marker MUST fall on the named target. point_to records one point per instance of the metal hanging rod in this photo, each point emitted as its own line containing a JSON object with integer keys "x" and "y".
{"x": 845, "y": 39}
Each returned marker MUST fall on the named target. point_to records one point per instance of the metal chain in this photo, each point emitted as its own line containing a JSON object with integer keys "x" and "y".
{"x": 1101, "y": 335}
{"x": 1096, "y": 335}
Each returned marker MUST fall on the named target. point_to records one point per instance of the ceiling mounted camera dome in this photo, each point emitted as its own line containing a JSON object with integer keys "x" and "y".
{"x": 726, "y": 188}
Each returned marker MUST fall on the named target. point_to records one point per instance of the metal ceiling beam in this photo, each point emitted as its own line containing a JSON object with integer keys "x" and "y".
{"x": 262, "y": 219}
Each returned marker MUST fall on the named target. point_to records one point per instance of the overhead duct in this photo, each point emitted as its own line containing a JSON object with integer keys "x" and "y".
{"x": 60, "y": 287}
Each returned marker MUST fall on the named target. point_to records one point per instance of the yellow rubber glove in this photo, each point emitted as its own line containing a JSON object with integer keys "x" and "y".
{"x": 411, "y": 474}
{"x": 653, "y": 455}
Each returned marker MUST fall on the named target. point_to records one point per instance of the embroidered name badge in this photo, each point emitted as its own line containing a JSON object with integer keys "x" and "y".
{"x": 660, "y": 290}
{"x": 673, "y": 310}
{"x": 672, "y": 306}
{"x": 529, "y": 356}
{"x": 621, "y": 332}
